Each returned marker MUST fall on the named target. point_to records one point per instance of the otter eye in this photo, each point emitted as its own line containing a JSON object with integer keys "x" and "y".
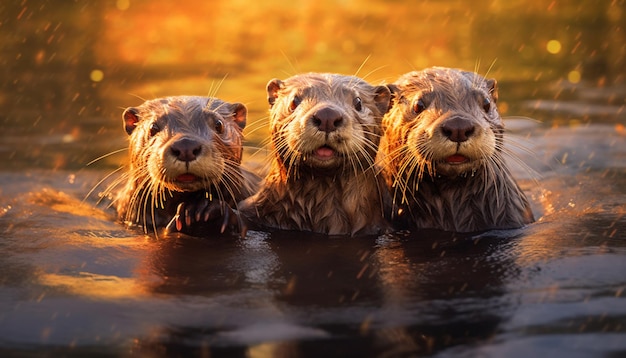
{"x": 295, "y": 102}
{"x": 486, "y": 104}
{"x": 419, "y": 106}
{"x": 219, "y": 126}
{"x": 358, "y": 104}
{"x": 154, "y": 129}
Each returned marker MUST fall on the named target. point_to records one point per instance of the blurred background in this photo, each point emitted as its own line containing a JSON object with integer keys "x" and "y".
{"x": 70, "y": 68}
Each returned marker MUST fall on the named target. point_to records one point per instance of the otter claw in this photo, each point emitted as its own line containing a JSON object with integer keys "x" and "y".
{"x": 202, "y": 211}
{"x": 244, "y": 230}
{"x": 177, "y": 218}
{"x": 187, "y": 217}
{"x": 225, "y": 222}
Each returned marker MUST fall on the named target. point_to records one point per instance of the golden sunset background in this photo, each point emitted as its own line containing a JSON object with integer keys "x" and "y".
{"x": 71, "y": 68}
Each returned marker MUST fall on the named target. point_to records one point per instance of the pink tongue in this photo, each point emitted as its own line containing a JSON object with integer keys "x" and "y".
{"x": 186, "y": 177}
{"x": 455, "y": 159}
{"x": 324, "y": 152}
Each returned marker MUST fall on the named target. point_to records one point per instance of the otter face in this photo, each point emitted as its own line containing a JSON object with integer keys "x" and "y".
{"x": 184, "y": 143}
{"x": 326, "y": 121}
{"x": 443, "y": 121}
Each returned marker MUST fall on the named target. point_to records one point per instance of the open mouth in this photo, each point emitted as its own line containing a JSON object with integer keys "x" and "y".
{"x": 324, "y": 153}
{"x": 187, "y": 178}
{"x": 457, "y": 159}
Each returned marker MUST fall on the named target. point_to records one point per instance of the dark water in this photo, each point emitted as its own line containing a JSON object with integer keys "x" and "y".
{"x": 73, "y": 282}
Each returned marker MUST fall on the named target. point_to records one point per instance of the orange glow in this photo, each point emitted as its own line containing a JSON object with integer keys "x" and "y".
{"x": 157, "y": 33}
{"x": 62, "y": 202}
{"x": 95, "y": 286}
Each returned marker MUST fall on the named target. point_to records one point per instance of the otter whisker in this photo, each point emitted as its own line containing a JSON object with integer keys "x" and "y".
{"x": 404, "y": 173}
{"x": 213, "y": 90}
{"x": 514, "y": 144}
{"x": 257, "y": 150}
{"x": 410, "y": 168}
{"x": 509, "y": 153}
{"x": 359, "y": 70}
{"x": 254, "y": 126}
{"x": 106, "y": 190}
{"x": 159, "y": 189}
{"x": 142, "y": 201}
{"x": 534, "y": 175}
{"x": 123, "y": 177}
{"x": 232, "y": 179}
{"x": 360, "y": 152}
{"x": 136, "y": 197}
{"x": 106, "y": 155}
{"x": 143, "y": 208}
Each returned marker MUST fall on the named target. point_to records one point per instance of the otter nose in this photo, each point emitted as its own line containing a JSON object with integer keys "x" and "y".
{"x": 327, "y": 119}
{"x": 458, "y": 129}
{"x": 186, "y": 149}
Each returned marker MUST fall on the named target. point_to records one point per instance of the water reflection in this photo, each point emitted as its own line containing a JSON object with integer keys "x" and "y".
{"x": 391, "y": 295}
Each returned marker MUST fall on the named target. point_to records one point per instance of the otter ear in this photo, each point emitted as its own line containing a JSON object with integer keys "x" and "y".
{"x": 240, "y": 114}
{"x": 273, "y": 87}
{"x": 131, "y": 118}
{"x": 382, "y": 98}
{"x": 395, "y": 93}
{"x": 492, "y": 87}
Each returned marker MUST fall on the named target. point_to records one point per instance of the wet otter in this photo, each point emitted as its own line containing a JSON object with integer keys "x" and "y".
{"x": 442, "y": 154}
{"x": 325, "y": 130}
{"x": 185, "y": 154}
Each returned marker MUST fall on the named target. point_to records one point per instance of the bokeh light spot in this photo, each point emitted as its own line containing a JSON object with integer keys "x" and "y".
{"x": 553, "y": 46}
{"x": 573, "y": 76}
{"x": 96, "y": 75}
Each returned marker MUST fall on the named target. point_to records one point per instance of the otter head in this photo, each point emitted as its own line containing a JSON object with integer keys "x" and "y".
{"x": 184, "y": 143}
{"x": 444, "y": 121}
{"x": 325, "y": 122}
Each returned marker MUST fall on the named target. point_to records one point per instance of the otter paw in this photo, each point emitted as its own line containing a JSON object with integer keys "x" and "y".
{"x": 191, "y": 215}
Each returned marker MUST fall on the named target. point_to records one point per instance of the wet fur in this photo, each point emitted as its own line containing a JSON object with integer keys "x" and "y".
{"x": 150, "y": 193}
{"x": 429, "y": 192}
{"x": 342, "y": 196}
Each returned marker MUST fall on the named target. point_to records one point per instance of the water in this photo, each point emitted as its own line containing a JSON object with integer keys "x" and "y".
{"x": 73, "y": 282}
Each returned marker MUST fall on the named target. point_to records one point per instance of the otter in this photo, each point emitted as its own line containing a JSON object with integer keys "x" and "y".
{"x": 442, "y": 154}
{"x": 185, "y": 155}
{"x": 325, "y": 131}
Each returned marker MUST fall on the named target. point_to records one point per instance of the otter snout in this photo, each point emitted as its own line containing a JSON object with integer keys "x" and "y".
{"x": 186, "y": 149}
{"x": 458, "y": 129}
{"x": 327, "y": 119}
